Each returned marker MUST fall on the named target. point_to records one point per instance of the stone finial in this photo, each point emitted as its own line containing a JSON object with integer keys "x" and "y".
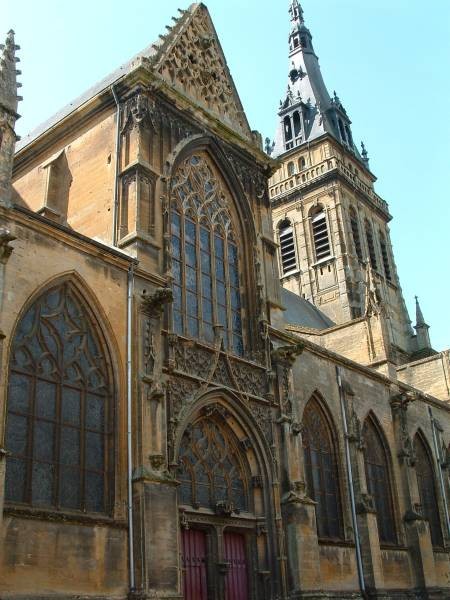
{"x": 421, "y": 327}
{"x": 364, "y": 154}
{"x": 8, "y": 74}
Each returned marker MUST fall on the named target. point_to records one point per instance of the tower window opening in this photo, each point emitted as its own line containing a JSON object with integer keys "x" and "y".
{"x": 303, "y": 42}
{"x": 342, "y": 131}
{"x": 288, "y": 133}
{"x": 291, "y": 169}
{"x": 355, "y": 234}
{"x": 385, "y": 257}
{"x": 302, "y": 163}
{"x": 297, "y": 124}
{"x": 287, "y": 247}
{"x": 349, "y": 135}
{"x": 371, "y": 246}
{"x": 320, "y": 235}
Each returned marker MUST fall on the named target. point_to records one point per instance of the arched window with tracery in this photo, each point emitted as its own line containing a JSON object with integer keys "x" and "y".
{"x": 376, "y": 462}
{"x": 213, "y": 471}
{"x": 426, "y": 484}
{"x": 205, "y": 257}
{"x": 321, "y": 470}
{"x": 60, "y": 409}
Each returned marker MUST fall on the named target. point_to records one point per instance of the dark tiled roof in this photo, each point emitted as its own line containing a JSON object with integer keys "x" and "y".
{"x": 302, "y": 312}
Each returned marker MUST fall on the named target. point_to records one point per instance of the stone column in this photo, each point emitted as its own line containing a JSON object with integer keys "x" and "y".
{"x": 298, "y": 511}
{"x": 155, "y": 504}
{"x": 5, "y": 252}
{"x": 417, "y": 529}
{"x": 365, "y": 508}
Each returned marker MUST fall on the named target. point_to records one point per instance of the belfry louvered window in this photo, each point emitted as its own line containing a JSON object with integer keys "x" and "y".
{"x": 427, "y": 490}
{"x": 205, "y": 257}
{"x": 385, "y": 257}
{"x": 371, "y": 246}
{"x": 355, "y": 233}
{"x": 320, "y": 234}
{"x": 287, "y": 247}
{"x": 378, "y": 482}
{"x": 59, "y": 422}
{"x": 321, "y": 470}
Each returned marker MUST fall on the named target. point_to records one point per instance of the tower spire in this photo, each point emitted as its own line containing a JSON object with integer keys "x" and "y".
{"x": 296, "y": 12}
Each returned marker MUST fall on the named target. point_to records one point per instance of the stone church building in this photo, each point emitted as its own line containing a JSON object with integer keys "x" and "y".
{"x": 175, "y": 423}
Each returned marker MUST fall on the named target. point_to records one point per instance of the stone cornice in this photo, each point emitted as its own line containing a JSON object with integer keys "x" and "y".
{"x": 103, "y": 101}
{"x": 354, "y": 366}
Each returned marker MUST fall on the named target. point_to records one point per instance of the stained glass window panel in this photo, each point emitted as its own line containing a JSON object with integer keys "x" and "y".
{"x": 201, "y": 225}
{"x": 321, "y": 470}
{"x": 54, "y": 399}
{"x": 378, "y": 482}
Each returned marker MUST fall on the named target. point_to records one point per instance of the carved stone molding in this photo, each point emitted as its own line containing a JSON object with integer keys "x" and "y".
{"x": 5, "y": 249}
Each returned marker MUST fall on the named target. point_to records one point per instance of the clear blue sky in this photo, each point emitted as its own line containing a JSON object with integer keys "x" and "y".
{"x": 388, "y": 60}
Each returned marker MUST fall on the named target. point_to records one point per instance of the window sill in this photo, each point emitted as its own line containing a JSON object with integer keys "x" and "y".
{"x": 43, "y": 514}
{"x": 335, "y": 542}
{"x": 323, "y": 261}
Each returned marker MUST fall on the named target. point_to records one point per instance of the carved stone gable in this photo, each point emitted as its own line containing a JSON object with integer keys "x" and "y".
{"x": 193, "y": 62}
{"x": 222, "y": 373}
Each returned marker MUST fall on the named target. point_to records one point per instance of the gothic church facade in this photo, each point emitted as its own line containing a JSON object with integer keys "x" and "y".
{"x": 175, "y": 422}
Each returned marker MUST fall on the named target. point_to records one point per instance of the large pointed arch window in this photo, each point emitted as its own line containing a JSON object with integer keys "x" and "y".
{"x": 321, "y": 470}
{"x": 427, "y": 489}
{"x": 58, "y": 429}
{"x": 376, "y": 464}
{"x": 212, "y": 472}
{"x": 205, "y": 257}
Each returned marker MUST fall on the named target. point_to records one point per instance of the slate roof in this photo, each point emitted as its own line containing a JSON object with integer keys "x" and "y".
{"x": 302, "y": 312}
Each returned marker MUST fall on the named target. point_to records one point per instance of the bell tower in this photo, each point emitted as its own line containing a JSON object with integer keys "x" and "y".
{"x": 331, "y": 225}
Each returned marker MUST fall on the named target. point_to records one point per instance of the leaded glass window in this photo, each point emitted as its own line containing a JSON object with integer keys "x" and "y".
{"x": 205, "y": 257}
{"x": 378, "y": 481}
{"x": 212, "y": 468}
{"x": 427, "y": 490}
{"x": 321, "y": 470}
{"x": 59, "y": 408}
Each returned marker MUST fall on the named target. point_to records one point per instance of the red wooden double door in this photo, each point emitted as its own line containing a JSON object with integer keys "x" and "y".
{"x": 195, "y": 566}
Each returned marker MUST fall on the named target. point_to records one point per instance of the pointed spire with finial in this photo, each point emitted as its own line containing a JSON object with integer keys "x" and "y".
{"x": 8, "y": 74}
{"x": 423, "y": 336}
{"x": 296, "y": 12}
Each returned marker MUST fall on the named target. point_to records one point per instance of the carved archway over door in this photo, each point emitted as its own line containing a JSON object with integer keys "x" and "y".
{"x": 222, "y": 506}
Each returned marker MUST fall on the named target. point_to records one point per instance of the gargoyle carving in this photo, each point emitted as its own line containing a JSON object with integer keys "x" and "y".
{"x": 153, "y": 304}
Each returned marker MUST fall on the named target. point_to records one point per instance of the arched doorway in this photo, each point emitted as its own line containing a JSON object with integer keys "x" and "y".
{"x": 222, "y": 502}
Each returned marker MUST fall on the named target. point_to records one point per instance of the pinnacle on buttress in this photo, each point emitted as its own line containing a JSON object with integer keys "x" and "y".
{"x": 421, "y": 327}
{"x": 420, "y": 321}
{"x": 8, "y": 74}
